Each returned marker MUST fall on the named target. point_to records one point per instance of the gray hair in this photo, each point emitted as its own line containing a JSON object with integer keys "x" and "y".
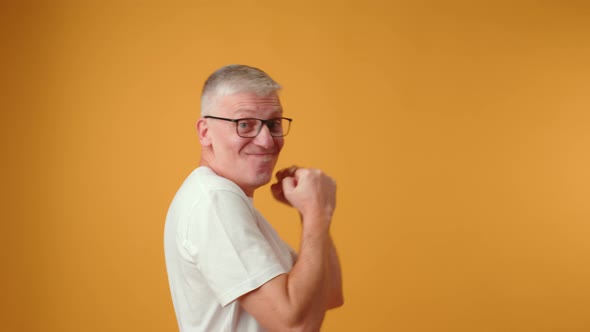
{"x": 233, "y": 79}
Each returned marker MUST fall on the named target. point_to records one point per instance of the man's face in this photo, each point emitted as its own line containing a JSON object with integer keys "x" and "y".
{"x": 248, "y": 162}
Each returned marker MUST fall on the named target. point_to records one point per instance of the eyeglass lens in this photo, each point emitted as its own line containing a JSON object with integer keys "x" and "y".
{"x": 251, "y": 127}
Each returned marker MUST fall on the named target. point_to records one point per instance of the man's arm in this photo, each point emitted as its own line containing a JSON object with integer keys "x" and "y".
{"x": 333, "y": 272}
{"x": 298, "y": 300}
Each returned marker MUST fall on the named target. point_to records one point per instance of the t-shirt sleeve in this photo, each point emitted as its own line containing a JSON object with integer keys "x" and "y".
{"x": 228, "y": 247}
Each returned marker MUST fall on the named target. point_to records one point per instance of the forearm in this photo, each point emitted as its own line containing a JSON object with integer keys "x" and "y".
{"x": 309, "y": 291}
{"x": 307, "y": 283}
{"x": 298, "y": 300}
{"x": 333, "y": 280}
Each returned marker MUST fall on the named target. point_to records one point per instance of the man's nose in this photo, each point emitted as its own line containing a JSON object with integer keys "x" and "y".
{"x": 264, "y": 138}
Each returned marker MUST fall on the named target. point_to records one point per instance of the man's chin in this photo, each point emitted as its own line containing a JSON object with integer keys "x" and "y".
{"x": 260, "y": 175}
{"x": 263, "y": 179}
{"x": 266, "y": 167}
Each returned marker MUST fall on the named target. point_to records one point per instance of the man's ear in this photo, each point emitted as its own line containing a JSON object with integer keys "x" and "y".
{"x": 203, "y": 131}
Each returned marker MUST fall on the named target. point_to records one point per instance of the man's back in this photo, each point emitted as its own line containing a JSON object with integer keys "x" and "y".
{"x": 218, "y": 247}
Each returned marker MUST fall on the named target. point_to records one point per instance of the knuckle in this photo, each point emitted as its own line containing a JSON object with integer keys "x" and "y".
{"x": 317, "y": 172}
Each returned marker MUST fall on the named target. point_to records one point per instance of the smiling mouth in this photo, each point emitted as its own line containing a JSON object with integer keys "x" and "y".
{"x": 266, "y": 153}
{"x": 263, "y": 156}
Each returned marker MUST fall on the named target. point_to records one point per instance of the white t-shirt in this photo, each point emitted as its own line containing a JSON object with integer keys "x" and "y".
{"x": 218, "y": 247}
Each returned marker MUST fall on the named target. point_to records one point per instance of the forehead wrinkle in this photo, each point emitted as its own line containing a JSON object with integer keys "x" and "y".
{"x": 272, "y": 106}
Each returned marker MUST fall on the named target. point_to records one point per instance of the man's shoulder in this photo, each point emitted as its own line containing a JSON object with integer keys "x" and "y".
{"x": 205, "y": 180}
{"x": 203, "y": 186}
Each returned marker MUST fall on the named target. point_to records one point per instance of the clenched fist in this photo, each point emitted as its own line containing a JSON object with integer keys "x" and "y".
{"x": 310, "y": 191}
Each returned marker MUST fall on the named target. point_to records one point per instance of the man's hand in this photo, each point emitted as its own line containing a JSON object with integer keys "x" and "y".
{"x": 310, "y": 191}
{"x": 277, "y": 188}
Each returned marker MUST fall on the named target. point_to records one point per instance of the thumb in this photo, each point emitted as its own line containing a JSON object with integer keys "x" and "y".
{"x": 276, "y": 189}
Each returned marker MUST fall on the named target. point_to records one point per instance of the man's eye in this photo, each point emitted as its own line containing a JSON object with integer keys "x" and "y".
{"x": 247, "y": 125}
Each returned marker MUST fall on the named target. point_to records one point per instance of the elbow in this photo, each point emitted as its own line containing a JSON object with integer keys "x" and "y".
{"x": 307, "y": 320}
{"x": 335, "y": 302}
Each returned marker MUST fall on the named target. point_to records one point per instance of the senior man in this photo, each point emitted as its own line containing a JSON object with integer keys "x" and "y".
{"x": 227, "y": 267}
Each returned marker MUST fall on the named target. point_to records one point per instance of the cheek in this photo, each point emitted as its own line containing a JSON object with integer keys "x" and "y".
{"x": 279, "y": 142}
{"x": 234, "y": 146}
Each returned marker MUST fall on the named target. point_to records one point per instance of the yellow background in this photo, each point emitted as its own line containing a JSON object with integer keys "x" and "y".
{"x": 459, "y": 134}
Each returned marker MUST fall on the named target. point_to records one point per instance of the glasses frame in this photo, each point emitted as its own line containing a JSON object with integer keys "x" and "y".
{"x": 263, "y": 123}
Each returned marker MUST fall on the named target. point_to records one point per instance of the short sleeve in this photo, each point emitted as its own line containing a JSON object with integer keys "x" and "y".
{"x": 228, "y": 247}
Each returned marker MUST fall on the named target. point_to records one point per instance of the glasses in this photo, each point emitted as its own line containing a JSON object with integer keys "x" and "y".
{"x": 251, "y": 127}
